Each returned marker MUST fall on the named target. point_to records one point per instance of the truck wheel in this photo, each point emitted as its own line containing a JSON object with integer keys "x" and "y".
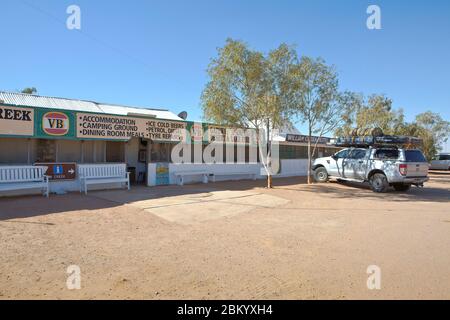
{"x": 402, "y": 187}
{"x": 321, "y": 175}
{"x": 379, "y": 182}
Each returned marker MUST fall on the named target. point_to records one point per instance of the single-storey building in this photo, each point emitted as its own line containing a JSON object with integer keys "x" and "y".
{"x": 67, "y": 134}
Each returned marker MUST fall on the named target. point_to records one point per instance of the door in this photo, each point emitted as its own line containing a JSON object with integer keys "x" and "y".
{"x": 356, "y": 165}
{"x": 338, "y": 162}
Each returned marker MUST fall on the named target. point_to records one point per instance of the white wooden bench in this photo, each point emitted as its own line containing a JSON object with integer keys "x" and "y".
{"x": 24, "y": 177}
{"x": 253, "y": 175}
{"x": 103, "y": 174}
{"x": 181, "y": 174}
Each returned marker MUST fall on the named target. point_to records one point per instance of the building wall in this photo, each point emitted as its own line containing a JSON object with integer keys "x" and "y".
{"x": 13, "y": 151}
{"x": 132, "y": 149}
{"x": 220, "y": 170}
{"x": 293, "y": 168}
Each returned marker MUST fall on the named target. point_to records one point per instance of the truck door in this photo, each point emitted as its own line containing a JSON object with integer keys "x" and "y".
{"x": 337, "y": 162}
{"x": 357, "y": 164}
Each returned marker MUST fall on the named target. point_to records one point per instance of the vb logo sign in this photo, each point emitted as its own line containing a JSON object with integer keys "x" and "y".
{"x": 55, "y": 123}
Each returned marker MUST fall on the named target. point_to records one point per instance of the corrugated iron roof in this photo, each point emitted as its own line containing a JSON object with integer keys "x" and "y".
{"x": 29, "y": 100}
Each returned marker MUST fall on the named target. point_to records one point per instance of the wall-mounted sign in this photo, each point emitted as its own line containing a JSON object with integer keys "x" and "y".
{"x": 162, "y": 174}
{"x": 301, "y": 138}
{"x": 232, "y": 135}
{"x": 96, "y": 126}
{"x": 60, "y": 171}
{"x": 55, "y": 123}
{"x": 196, "y": 131}
{"x": 16, "y": 121}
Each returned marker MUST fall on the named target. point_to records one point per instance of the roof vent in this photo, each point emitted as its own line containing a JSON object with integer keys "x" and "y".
{"x": 136, "y": 114}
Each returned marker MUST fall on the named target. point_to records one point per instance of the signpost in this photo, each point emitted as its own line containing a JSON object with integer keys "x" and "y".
{"x": 60, "y": 171}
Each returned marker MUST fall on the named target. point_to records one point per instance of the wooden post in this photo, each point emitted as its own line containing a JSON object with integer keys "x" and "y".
{"x": 29, "y": 151}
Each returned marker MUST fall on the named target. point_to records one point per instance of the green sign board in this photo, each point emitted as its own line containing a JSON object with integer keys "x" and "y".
{"x": 54, "y": 124}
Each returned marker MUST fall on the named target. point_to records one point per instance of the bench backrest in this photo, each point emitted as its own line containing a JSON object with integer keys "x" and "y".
{"x": 9, "y": 174}
{"x": 102, "y": 170}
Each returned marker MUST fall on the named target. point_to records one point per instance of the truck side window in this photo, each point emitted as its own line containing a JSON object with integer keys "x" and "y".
{"x": 342, "y": 154}
{"x": 383, "y": 154}
{"x": 358, "y": 154}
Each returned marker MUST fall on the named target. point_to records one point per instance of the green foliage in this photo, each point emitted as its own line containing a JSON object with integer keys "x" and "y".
{"x": 433, "y": 130}
{"x": 319, "y": 104}
{"x": 31, "y": 90}
{"x": 377, "y": 111}
{"x": 248, "y": 87}
{"x": 373, "y": 112}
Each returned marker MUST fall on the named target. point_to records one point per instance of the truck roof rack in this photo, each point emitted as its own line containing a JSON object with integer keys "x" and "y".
{"x": 379, "y": 141}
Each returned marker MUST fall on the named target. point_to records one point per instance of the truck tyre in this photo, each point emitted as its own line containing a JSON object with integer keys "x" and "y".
{"x": 379, "y": 182}
{"x": 402, "y": 187}
{"x": 321, "y": 175}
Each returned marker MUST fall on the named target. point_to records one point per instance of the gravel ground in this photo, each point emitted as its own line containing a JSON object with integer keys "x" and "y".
{"x": 233, "y": 240}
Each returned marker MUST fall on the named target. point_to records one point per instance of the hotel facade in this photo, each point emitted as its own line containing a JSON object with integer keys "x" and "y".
{"x": 66, "y": 134}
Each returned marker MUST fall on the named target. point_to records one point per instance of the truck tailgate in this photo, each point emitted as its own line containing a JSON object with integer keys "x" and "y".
{"x": 417, "y": 169}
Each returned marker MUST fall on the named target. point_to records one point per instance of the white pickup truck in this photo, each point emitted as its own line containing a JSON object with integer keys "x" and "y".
{"x": 381, "y": 167}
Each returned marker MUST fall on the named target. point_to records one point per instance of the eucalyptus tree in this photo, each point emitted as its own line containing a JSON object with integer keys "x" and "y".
{"x": 248, "y": 88}
{"x": 318, "y": 103}
{"x": 435, "y": 132}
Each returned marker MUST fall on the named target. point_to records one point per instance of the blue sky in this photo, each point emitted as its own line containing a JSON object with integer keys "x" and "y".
{"x": 155, "y": 53}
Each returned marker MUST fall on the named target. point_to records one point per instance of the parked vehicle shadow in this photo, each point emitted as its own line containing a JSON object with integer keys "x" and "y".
{"x": 445, "y": 173}
{"x": 348, "y": 190}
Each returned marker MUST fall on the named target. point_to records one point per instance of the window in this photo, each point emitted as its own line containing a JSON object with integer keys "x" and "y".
{"x": 293, "y": 152}
{"x": 414, "y": 156}
{"x": 20, "y": 154}
{"x": 93, "y": 151}
{"x": 358, "y": 154}
{"x": 342, "y": 154}
{"x": 88, "y": 151}
{"x": 115, "y": 151}
{"x": 160, "y": 152}
{"x": 383, "y": 154}
{"x": 444, "y": 157}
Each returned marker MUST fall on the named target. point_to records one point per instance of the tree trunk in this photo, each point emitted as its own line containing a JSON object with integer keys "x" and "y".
{"x": 269, "y": 154}
{"x": 309, "y": 157}
{"x": 269, "y": 182}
